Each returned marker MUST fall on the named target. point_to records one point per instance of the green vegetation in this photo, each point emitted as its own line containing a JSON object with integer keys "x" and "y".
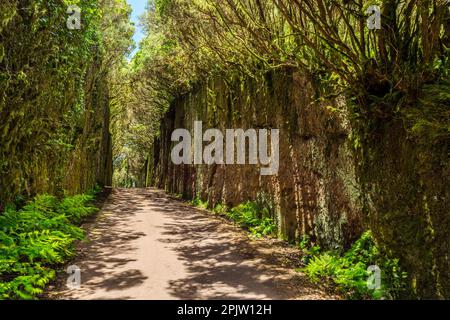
{"x": 248, "y": 215}
{"x": 391, "y": 85}
{"x": 220, "y": 209}
{"x": 71, "y": 102}
{"x": 36, "y": 239}
{"x": 54, "y": 129}
{"x": 199, "y": 203}
{"x": 54, "y": 93}
{"x": 349, "y": 271}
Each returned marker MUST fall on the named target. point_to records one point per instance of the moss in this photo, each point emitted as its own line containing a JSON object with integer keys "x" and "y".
{"x": 407, "y": 205}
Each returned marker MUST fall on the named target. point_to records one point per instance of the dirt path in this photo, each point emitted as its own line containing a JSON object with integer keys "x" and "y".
{"x": 146, "y": 245}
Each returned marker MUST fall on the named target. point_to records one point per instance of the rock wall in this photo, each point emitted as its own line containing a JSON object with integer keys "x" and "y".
{"x": 323, "y": 189}
{"x": 90, "y": 163}
{"x": 68, "y": 169}
{"x": 315, "y": 192}
{"x": 54, "y": 102}
{"x": 406, "y": 183}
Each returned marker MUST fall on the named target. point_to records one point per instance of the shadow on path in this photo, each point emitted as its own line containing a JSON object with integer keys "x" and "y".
{"x": 146, "y": 245}
{"x": 222, "y": 262}
{"x": 101, "y": 261}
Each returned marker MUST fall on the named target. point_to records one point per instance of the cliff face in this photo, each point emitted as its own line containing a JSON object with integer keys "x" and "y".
{"x": 323, "y": 189}
{"x": 90, "y": 163}
{"x": 315, "y": 190}
{"x": 54, "y": 108}
{"x": 406, "y": 187}
{"x": 77, "y": 162}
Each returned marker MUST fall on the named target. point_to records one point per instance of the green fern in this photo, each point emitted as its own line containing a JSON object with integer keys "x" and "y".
{"x": 248, "y": 215}
{"x": 349, "y": 271}
{"x": 35, "y": 238}
{"x": 76, "y": 207}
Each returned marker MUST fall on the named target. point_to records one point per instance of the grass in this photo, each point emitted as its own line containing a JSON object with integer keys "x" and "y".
{"x": 36, "y": 239}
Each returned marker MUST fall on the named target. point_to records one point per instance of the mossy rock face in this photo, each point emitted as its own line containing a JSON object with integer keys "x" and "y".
{"x": 314, "y": 192}
{"x": 407, "y": 206}
{"x": 54, "y": 106}
{"x": 323, "y": 189}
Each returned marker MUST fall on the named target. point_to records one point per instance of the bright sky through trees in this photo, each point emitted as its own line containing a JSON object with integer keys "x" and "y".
{"x": 138, "y": 9}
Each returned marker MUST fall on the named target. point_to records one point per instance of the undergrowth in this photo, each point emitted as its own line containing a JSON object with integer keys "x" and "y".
{"x": 199, "y": 203}
{"x": 35, "y": 239}
{"x": 248, "y": 215}
{"x": 350, "y": 271}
